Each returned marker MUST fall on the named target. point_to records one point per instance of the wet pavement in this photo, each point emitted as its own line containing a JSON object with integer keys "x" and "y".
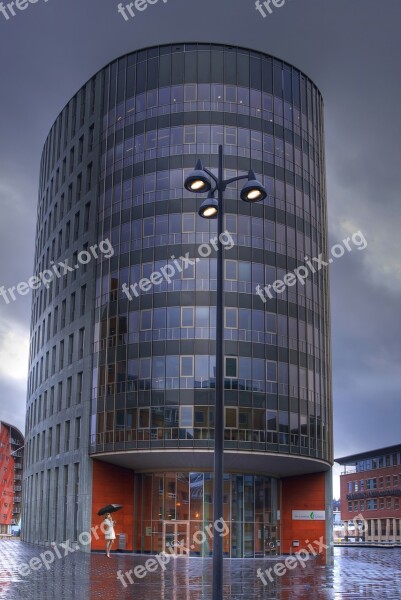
{"x": 373, "y": 573}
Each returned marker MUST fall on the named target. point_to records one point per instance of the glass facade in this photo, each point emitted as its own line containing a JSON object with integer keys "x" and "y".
{"x": 123, "y": 370}
{"x": 154, "y": 351}
{"x": 175, "y": 510}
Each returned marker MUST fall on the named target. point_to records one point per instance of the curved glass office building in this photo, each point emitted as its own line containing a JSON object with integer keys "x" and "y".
{"x": 122, "y": 372}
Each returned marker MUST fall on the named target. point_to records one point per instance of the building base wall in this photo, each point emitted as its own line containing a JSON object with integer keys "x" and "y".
{"x": 306, "y": 493}
{"x": 113, "y": 485}
{"x": 187, "y": 502}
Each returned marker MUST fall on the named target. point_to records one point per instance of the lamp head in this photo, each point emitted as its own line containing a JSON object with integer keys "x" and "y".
{"x": 209, "y": 208}
{"x": 197, "y": 180}
{"x": 253, "y": 190}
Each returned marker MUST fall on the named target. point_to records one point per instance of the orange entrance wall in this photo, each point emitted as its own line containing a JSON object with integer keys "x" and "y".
{"x": 113, "y": 485}
{"x": 304, "y": 492}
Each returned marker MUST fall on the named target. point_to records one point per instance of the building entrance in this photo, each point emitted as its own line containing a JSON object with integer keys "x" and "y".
{"x": 176, "y": 537}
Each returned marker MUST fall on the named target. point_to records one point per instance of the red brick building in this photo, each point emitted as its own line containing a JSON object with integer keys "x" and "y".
{"x": 11, "y": 462}
{"x": 371, "y": 487}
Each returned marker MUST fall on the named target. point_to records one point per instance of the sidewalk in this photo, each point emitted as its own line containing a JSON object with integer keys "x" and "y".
{"x": 358, "y": 573}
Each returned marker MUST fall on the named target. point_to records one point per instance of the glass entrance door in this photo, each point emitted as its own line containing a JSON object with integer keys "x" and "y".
{"x": 270, "y": 540}
{"x": 176, "y": 537}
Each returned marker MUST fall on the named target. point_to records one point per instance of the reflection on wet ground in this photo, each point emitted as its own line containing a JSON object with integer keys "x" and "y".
{"x": 373, "y": 573}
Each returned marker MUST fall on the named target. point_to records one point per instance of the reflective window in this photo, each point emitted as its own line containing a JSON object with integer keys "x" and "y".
{"x": 187, "y": 316}
{"x": 231, "y": 317}
{"x": 231, "y": 366}
{"x": 187, "y": 366}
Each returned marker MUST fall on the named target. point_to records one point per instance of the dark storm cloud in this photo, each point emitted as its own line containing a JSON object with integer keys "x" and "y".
{"x": 351, "y": 49}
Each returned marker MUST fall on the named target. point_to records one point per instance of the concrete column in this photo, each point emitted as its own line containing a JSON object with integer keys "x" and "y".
{"x": 368, "y": 533}
{"x": 356, "y": 531}
{"x": 379, "y": 530}
{"x": 345, "y": 529}
{"x": 387, "y": 538}
{"x": 395, "y": 530}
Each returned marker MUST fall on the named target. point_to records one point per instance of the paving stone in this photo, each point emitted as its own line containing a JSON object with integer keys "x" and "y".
{"x": 367, "y": 573}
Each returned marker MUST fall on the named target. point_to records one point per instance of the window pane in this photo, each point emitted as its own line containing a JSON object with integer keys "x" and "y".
{"x": 231, "y": 418}
{"x": 187, "y": 316}
{"x": 187, "y": 366}
{"x": 186, "y": 416}
{"x": 231, "y": 367}
{"x": 231, "y": 317}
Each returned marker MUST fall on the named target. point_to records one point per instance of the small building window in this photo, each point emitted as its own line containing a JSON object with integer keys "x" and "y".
{"x": 231, "y": 367}
{"x": 231, "y": 418}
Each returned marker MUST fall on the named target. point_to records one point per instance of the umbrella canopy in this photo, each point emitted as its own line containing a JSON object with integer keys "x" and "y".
{"x": 110, "y": 508}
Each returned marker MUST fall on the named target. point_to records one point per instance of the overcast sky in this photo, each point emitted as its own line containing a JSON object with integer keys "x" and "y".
{"x": 352, "y": 51}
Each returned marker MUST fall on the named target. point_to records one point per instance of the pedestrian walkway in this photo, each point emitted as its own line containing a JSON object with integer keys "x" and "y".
{"x": 367, "y": 573}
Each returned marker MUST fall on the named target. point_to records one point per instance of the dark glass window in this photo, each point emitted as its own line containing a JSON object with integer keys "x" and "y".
{"x": 146, "y": 319}
{"x": 159, "y": 318}
{"x": 204, "y": 67}
{"x": 187, "y": 366}
{"x": 258, "y": 320}
{"x": 287, "y": 83}
{"x": 271, "y": 370}
{"x": 231, "y": 317}
{"x": 296, "y": 90}
{"x": 201, "y": 369}
{"x": 231, "y": 268}
{"x": 148, "y": 226}
{"x": 165, "y": 71}
{"x": 141, "y": 77}
{"x": 144, "y": 368}
{"x": 172, "y": 366}
{"x": 158, "y": 366}
{"x": 177, "y": 68}
{"x": 267, "y": 76}
{"x": 190, "y": 69}
{"x": 153, "y": 73}
{"x": 271, "y": 420}
{"x": 245, "y": 319}
{"x": 202, "y": 316}
{"x": 188, "y": 223}
{"x": 231, "y": 366}
{"x": 243, "y": 69}
{"x": 244, "y": 271}
{"x": 216, "y": 75}
{"x": 173, "y": 317}
{"x": 278, "y": 79}
{"x": 187, "y": 316}
{"x": 121, "y": 85}
{"x": 161, "y": 224}
{"x": 230, "y": 69}
{"x": 256, "y": 73}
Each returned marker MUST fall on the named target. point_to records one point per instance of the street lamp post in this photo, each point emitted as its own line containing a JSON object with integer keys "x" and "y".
{"x": 198, "y": 181}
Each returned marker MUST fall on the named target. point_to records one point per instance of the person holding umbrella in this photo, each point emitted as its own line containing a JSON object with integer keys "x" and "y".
{"x": 109, "y": 533}
{"x": 108, "y": 525}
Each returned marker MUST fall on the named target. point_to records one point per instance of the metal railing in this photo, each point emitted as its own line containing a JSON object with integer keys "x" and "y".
{"x": 196, "y": 434}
